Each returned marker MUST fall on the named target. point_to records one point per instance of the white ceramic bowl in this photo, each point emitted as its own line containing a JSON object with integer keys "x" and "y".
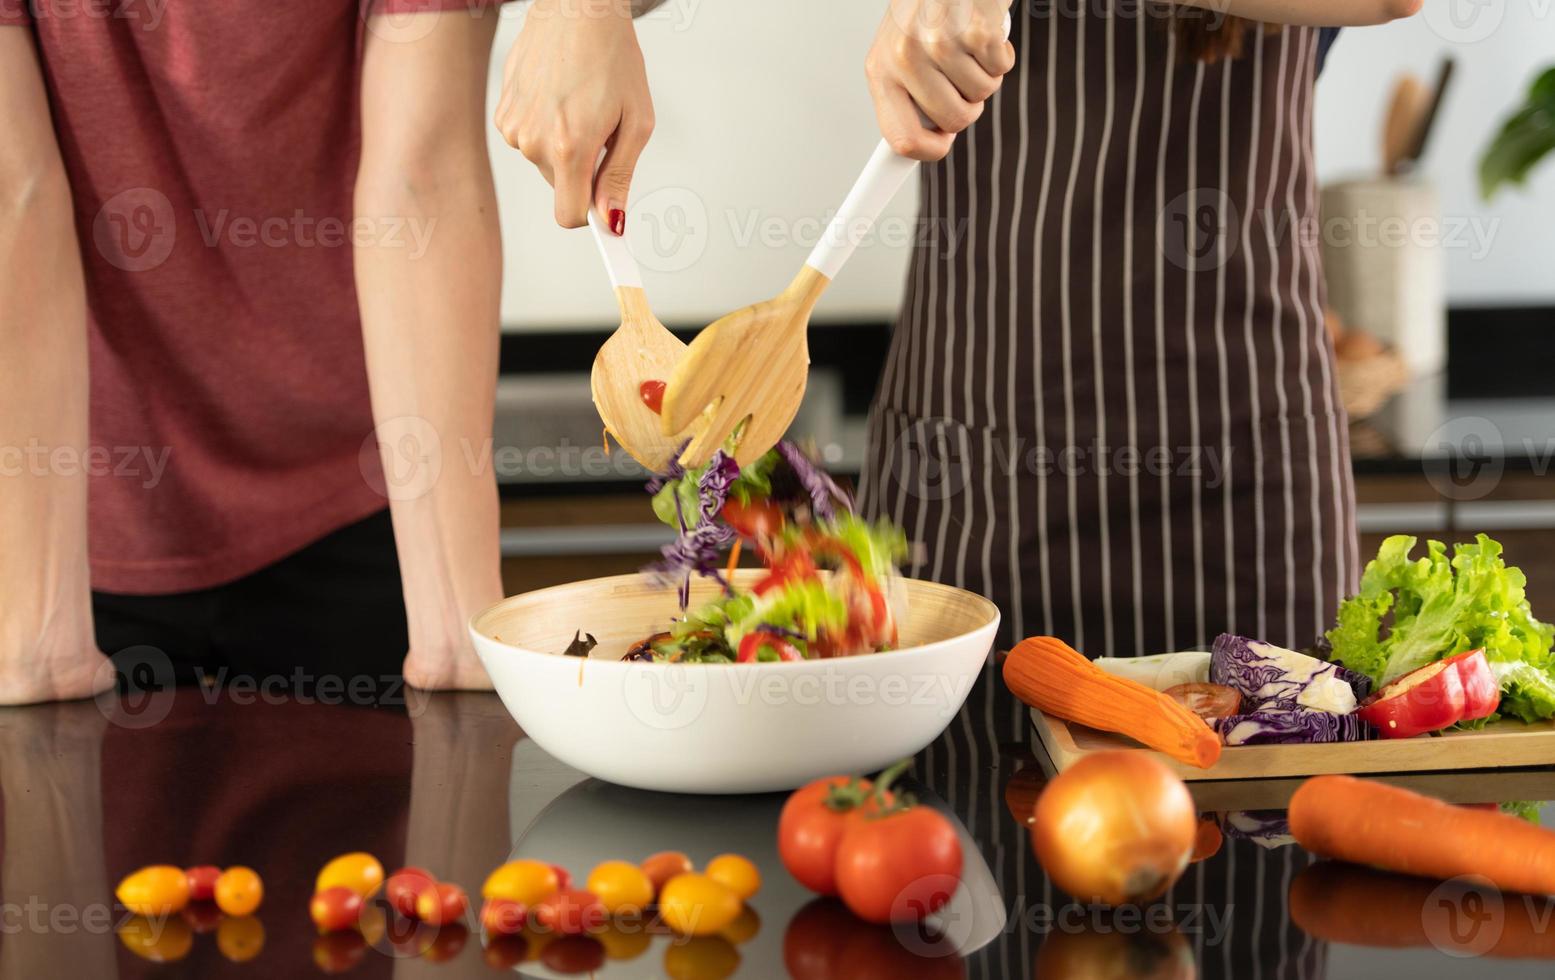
{"x": 723, "y": 728}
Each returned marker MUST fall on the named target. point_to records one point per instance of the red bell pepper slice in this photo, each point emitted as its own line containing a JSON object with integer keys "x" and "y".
{"x": 1424, "y": 700}
{"x": 751, "y": 644}
{"x": 1481, "y": 693}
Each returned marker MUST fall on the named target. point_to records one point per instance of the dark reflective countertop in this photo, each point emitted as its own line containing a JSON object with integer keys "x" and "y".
{"x": 94, "y": 790}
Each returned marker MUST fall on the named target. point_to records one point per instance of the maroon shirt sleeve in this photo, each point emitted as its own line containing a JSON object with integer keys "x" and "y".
{"x": 424, "y": 6}
{"x": 14, "y": 13}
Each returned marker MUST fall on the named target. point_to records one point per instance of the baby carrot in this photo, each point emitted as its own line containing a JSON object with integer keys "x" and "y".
{"x": 1372, "y": 823}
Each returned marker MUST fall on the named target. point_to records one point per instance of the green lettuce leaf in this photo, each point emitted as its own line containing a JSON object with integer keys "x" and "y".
{"x": 1411, "y": 612}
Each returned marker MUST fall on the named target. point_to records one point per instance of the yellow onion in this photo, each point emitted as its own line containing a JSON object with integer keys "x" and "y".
{"x": 1093, "y": 954}
{"x": 1116, "y": 828}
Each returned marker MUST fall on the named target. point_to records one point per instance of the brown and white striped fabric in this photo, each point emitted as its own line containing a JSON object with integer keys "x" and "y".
{"x": 1110, "y": 402}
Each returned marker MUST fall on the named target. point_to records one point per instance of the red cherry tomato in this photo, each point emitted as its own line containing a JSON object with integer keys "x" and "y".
{"x": 404, "y": 885}
{"x": 569, "y": 912}
{"x": 664, "y": 865}
{"x": 652, "y": 393}
{"x": 202, "y": 882}
{"x": 563, "y": 877}
{"x": 752, "y": 643}
{"x": 757, "y": 519}
{"x": 506, "y": 952}
{"x": 810, "y": 829}
{"x": 441, "y": 904}
{"x": 503, "y": 916}
{"x": 203, "y": 917}
{"x": 814, "y": 941}
{"x": 899, "y": 867}
{"x": 335, "y": 908}
{"x": 574, "y": 954}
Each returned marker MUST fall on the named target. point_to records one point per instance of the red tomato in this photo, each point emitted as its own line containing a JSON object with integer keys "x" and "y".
{"x": 574, "y": 954}
{"x": 563, "y": 877}
{"x": 751, "y": 644}
{"x": 1481, "y": 691}
{"x": 503, "y": 916}
{"x": 652, "y": 393}
{"x": 441, "y": 904}
{"x": 809, "y": 831}
{"x": 569, "y": 912}
{"x": 202, "y": 882}
{"x": 873, "y": 953}
{"x": 335, "y": 908}
{"x": 404, "y": 885}
{"x": 757, "y": 519}
{"x": 899, "y": 867}
{"x": 1424, "y": 700}
{"x": 1206, "y": 700}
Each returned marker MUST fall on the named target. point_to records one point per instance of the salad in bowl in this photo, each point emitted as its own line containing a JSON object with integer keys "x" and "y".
{"x": 830, "y": 588}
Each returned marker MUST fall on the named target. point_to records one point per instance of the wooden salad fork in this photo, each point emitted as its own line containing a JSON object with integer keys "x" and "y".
{"x": 750, "y": 366}
{"x": 641, "y": 352}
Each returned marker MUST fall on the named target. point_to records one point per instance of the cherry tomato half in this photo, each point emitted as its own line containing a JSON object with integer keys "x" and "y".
{"x": 652, "y": 393}
{"x": 756, "y": 519}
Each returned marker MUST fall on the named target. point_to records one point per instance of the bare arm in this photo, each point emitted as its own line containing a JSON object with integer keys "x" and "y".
{"x": 1313, "y": 13}
{"x": 47, "y": 651}
{"x": 428, "y": 277}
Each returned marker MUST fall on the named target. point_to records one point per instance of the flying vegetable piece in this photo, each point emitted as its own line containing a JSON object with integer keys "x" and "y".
{"x": 582, "y": 643}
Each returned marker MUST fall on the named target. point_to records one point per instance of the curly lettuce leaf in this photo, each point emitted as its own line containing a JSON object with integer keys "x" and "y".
{"x": 1412, "y": 612}
{"x": 879, "y": 547}
{"x": 804, "y": 608}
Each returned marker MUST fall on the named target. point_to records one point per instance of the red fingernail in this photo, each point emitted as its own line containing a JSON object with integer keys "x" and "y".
{"x": 617, "y": 222}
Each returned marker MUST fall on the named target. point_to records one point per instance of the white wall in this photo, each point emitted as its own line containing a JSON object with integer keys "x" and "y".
{"x": 1499, "y": 47}
{"x": 764, "y": 121}
{"x": 763, "y": 124}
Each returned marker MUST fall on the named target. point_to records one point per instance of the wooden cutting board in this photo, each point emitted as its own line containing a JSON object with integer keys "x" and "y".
{"x": 1501, "y": 745}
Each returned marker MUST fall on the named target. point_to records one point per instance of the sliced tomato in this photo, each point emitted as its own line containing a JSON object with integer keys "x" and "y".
{"x": 751, "y": 644}
{"x": 758, "y": 519}
{"x": 652, "y": 393}
{"x": 1481, "y": 693}
{"x": 1206, "y": 700}
{"x": 1424, "y": 700}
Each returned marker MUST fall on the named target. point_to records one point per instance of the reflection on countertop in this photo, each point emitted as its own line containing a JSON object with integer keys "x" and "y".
{"x": 93, "y": 790}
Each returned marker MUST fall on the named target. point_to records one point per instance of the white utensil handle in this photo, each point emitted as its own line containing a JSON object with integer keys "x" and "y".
{"x": 883, "y": 176}
{"x": 618, "y": 258}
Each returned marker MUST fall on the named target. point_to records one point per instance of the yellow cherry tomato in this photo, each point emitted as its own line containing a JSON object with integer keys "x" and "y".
{"x": 736, "y": 873}
{"x": 701, "y": 958}
{"x": 624, "y": 940}
{"x": 160, "y": 889}
{"x": 696, "y": 905}
{"x": 744, "y": 927}
{"x": 621, "y": 886}
{"x": 240, "y": 938}
{"x": 159, "y": 940}
{"x": 522, "y": 881}
{"x": 239, "y": 891}
{"x": 358, "y": 871}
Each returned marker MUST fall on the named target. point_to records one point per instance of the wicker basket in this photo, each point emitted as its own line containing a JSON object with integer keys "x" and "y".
{"x": 1365, "y": 384}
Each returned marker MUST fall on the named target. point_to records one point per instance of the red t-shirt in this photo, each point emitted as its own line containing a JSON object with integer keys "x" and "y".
{"x": 211, "y": 148}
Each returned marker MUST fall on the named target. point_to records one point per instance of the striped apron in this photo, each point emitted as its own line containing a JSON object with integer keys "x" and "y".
{"x": 1110, "y": 402}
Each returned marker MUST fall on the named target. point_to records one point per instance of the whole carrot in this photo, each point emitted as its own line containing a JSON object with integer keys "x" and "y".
{"x": 1050, "y": 675}
{"x": 1371, "y": 823}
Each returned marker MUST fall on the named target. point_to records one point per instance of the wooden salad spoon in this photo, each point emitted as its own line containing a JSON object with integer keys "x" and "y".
{"x": 751, "y": 365}
{"x": 640, "y": 356}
